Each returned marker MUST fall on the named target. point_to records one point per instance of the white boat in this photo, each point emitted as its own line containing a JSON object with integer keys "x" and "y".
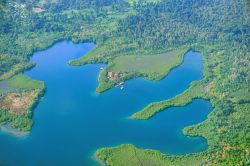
{"x": 121, "y": 87}
{"x": 121, "y": 83}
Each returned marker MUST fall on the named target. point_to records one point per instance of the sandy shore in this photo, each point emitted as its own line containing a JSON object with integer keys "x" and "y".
{"x": 7, "y": 129}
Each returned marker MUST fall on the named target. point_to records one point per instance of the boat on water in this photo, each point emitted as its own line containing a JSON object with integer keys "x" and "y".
{"x": 121, "y": 83}
{"x": 122, "y": 87}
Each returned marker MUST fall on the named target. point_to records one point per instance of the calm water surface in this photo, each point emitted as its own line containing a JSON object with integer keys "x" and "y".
{"x": 72, "y": 121}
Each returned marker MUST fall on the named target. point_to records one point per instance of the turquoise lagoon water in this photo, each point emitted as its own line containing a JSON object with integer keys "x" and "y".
{"x": 72, "y": 121}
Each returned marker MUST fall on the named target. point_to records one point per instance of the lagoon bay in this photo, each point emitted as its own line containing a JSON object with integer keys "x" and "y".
{"x": 72, "y": 121}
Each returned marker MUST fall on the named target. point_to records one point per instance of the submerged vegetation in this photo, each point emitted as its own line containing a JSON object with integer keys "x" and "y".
{"x": 128, "y": 32}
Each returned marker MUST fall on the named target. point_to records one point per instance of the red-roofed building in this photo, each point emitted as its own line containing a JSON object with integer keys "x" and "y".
{"x": 110, "y": 74}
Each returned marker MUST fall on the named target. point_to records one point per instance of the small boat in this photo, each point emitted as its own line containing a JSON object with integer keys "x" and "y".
{"x": 121, "y": 83}
{"x": 121, "y": 87}
{"x": 101, "y": 68}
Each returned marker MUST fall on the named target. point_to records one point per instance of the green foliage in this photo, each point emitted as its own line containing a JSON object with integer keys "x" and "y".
{"x": 228, "y": 142}
{"x": 153, "y": 67}
{"x": 129, "y": 155}
{"x": 218, "y": 28}
{"x": 195, "y": 91}
{"x": 21, "y": 123}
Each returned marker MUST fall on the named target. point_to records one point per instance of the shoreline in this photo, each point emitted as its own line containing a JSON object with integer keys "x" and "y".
{"x": 11, "y": 131}
{"x": 98, "y": 160}
{"x": 132, "y": 75}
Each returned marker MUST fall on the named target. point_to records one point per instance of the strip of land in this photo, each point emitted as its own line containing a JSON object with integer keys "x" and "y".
{"x": 195, "y": 91}
{"x": 123, "y": 68}
{"x": 129, "y": 155}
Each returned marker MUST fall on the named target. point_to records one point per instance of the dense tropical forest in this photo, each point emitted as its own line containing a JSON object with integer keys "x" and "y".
{"x": 124, "y": 29}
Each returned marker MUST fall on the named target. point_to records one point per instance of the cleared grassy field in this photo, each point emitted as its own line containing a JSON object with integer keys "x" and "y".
{"x": 23, "y": 82}
{"x": 19, "y": 83}
{"x": 147, "y": 64}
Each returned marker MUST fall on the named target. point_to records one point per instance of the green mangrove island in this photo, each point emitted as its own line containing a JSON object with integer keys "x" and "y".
{"x": 138, "y": 39}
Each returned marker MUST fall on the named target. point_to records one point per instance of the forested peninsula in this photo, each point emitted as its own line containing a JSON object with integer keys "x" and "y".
{"x": 139, "y": 38}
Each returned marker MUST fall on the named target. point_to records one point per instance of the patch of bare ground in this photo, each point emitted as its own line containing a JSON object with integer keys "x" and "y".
{"x": 18, "y": 103}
